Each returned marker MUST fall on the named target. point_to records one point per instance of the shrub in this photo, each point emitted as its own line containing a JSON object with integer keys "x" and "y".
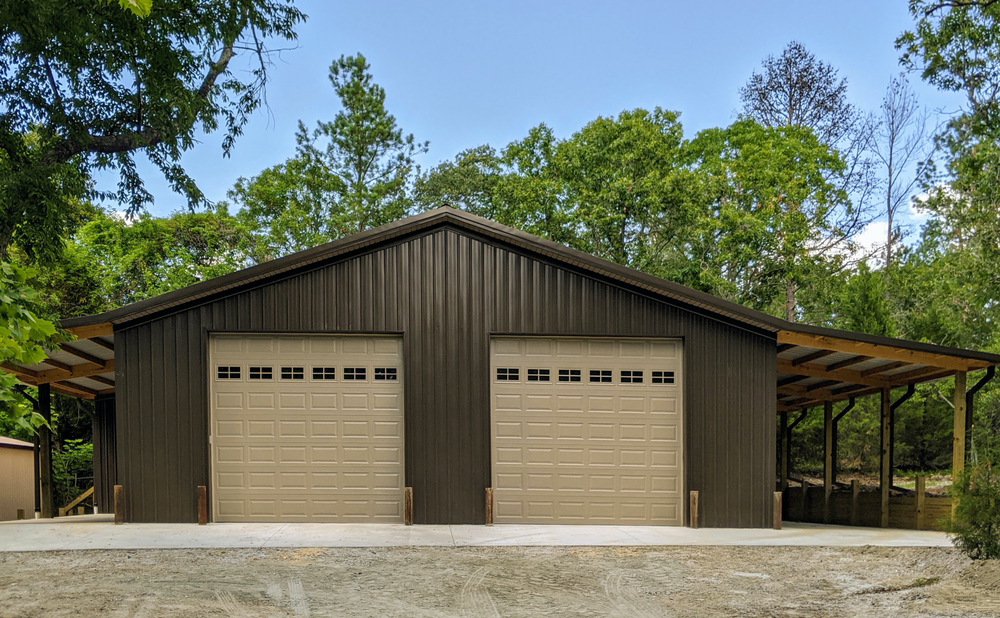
{"x": 975, "y": 525}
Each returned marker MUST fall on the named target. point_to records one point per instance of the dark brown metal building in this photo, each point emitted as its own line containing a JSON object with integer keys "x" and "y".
{"x": 448, "y": 354}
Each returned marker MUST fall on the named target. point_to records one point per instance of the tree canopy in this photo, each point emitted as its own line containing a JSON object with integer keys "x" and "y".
{"x": 85, "y": 85}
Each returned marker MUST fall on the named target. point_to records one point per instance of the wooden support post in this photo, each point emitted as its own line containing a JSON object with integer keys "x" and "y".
{"x": 119, "y": 505}
{"x": 489, "y": 506}
{"x": 45, "y": 452}
{"x": 784, "y": 452}
{"x": 80, "y": 510}
{"x": 921, "y": 500}
{"x": 803, "y": 494}
{"x": 202, "y": 505}
{"x": 408, "y": 506}
{"x": 827, "y": 458}
{"x": 958, "y": 439}
{"x": 855, "y": 499}
{"x": 693, "y": 506}
{"x": 38, "y": 476}
{"x": 20, "y": 513}
{"x": 885, "y": 473}
{"x": 777, "y": 510}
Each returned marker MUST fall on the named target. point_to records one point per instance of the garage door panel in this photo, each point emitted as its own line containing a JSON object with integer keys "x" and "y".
{"x": 574, "y": 451}
{"x": 297, "y": 441}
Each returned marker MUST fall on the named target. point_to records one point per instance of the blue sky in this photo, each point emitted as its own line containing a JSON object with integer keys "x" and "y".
{"x": 466, "y": 73}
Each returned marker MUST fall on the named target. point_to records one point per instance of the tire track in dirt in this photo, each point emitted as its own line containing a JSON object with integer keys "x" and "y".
{"x": 625, "y": 601}
{"x": 231, "y": 606}
{"x": 476, "y": 599}
{"x": 298, "y": 595}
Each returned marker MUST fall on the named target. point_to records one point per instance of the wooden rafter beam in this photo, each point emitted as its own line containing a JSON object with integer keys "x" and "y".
{"x": 876, "y": 350}
{"x": 847, "y": 362}
{"x": 107, "y": 345}
{"x": 73, "y": 390}
{"x": 821, "y": 394}
{"x": 791, "y": 380}
{"x": 19, "y": 371}
{"x": 921, "y": 373}
{"x": 816, "y": 370}
{"x": 101, "y": 380}
{"x": 819, "y": 385}
{"x": 87, "y": 331}
{"x": 61, "y": 366}
{"x": 90, "y": 358}
{"x": 784, "y": 347}
{"x": 871, "y": 371}
{"x": 808, "y": 358}
{"x": 75, "y": 371}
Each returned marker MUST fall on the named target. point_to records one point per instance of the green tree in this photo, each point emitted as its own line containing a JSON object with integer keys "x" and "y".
{"x": 618, "y": 188}
{"x": 86, "y": 85}
{"x": 139, "y": 8}
{"x": 349, "y": 174}
{"x": 24, "y": 340}
{"x": 469, "y": 183}
{"x": 796, "y": 89}
{"x": 768, "y": 205}
{"x": 146, "y": 256}
{"x": 627, "y": 182}
{"x": 955, "y": 45}
{"x": 864, "y": 304}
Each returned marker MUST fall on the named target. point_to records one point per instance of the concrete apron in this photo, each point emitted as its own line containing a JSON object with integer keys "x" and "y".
{"x": 96, "y": 532}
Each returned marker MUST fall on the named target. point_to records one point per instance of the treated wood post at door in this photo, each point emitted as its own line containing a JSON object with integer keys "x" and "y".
{"x": 885, "y": 473}
{"x": 827, "y": 458}
{"x": 777, "y": 510}
{"x": 202, "y": 505}
{"x": 489, "y": 506}
{"x": 119, "y": 505}
{"x": 408, "y": 506}
{"x": 921, "y": 500}
{"x": 693, "y": 506}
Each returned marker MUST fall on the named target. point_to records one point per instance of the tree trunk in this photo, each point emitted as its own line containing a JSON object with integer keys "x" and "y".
{"x": 790, "y": 301}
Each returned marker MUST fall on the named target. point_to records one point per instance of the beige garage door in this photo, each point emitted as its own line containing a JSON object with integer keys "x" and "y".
{"x": 587, "y": 430}
{"x": 307, "y": 428}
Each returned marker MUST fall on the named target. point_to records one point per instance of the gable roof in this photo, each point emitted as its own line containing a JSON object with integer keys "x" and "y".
{"x": 447, "y": 216}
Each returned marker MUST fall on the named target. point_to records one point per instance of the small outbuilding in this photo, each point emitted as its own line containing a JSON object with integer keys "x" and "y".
{"x": 17, "y": 471}
{"x": 463, "y": 367}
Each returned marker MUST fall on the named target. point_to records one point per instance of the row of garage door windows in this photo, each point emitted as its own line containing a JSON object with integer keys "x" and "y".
{"x": 627, "y": 376}
{"x": 504, "y": 374}
{"x": 235, "y": 372}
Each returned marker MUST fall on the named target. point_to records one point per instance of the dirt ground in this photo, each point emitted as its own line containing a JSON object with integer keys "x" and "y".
{"x": 508, "y": 581}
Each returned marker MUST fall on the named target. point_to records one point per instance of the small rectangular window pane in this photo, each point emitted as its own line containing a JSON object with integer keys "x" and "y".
{"x": 663, "y": 377}
{"x": 538, "y": 375}
{"x": 569, "y": 375}
{"x": 260, "y": 373}
{"x": 600, "y": 375}
{"x": 385, "y": 373}
{"x": 324, "y": 373}
{"x": 293, "y": 373}
{"x": 508, "y": 373}
{"x": 228, "y": 372}
{"x": 355, "y": 373}
{"x": 631, "y": 376}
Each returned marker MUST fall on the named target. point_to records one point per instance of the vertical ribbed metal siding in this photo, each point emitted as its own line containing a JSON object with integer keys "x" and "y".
{"x": 446, "y": 291}
{"x": 104, "y": 439}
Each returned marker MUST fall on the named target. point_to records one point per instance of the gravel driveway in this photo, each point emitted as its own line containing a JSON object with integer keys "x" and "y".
{"x": 502, "y": 581}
